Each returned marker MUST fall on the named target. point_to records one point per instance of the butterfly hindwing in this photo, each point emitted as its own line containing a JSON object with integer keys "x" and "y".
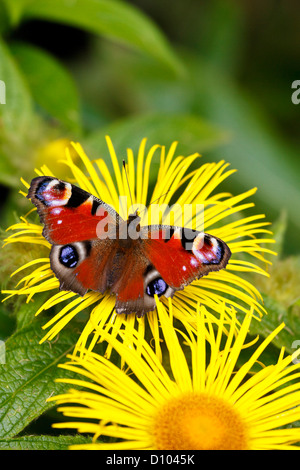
{"x": 174, "y": 257}
{"x": 78, "y": 265}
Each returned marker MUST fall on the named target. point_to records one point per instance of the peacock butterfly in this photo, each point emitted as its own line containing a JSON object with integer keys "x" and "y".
{"x": 94, "y": 248}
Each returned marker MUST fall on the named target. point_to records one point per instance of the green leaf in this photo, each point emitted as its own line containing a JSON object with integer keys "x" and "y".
{"x": 222, "y": 38}
{"x": 276, "y": 315}
{"x": 4, "y": 18}
{"x": 16, "y": 115}
{"x": 42, "y": 442}
{"x": 279, "y": 229}
{"x": 51, "y": 85}
{"x": 26, "y": 311}
{"x": 27, "y": 378}
{"x": 113, "y": 19}
{"x": 263, "y": 158}
{"x": 196, "y": 135}
{"x": 8, "y": 175}
{"x": 7, "y": 323}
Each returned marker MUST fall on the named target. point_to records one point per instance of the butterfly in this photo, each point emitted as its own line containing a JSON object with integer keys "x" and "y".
{"x": 94, "y": 248}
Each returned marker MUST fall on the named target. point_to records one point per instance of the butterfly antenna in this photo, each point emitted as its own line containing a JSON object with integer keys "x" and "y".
{"x": 124, "y": 166}
{"x": 159, "y": 197}
{"x": 154, "y": 201}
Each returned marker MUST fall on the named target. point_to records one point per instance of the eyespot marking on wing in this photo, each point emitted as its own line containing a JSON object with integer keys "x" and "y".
{"x": 52, "y": 192}
{"x": 207, "y": 249}
{"x": 68, "y": 256}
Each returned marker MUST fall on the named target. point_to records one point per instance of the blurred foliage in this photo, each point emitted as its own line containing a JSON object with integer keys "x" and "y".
{"x": 214, "y": 75}
{"x": 80, "y": 70}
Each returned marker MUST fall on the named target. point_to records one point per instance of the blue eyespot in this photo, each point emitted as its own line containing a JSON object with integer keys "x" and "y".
{"x": 40, "y": 190}
{"x": 68, "y": 256}
{"x": 158, "y": 286}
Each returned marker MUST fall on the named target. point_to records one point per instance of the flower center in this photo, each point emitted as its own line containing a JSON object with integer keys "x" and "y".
{"x": 196, "y": 421}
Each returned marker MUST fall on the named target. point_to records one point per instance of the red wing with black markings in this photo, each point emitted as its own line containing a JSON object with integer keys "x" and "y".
{"x": 69, "y": 213}
{"x": 72, "y": 221}
{"x": 89, "y": 250}
{"x": 182, "y": 255}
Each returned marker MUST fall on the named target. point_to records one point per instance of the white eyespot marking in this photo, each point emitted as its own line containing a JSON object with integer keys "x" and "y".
{"x": 207, "y": 249}
{"x": 54, "y": 193}
{"x": 56, "y": 211}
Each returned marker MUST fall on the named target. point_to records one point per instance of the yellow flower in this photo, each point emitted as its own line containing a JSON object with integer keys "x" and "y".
{"x": 224, "y": 218}
{"x": 202, "y": 401}
{"x": 47, "y": 155}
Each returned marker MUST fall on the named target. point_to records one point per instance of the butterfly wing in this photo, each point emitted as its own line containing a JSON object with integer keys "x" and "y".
{"x": 169, "y": 259}
{"x": 87, "y": 253}
{"x": 182, "y": 255}
{"x": 69, "y": 213}
{"x": 81, "y": 229}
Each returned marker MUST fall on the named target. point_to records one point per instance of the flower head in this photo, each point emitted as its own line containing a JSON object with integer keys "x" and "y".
{"x": 222, "y": 218}
{"x": 203, "y": 401}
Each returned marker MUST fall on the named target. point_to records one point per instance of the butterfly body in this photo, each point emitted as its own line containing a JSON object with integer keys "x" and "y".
{"x": 93, "y": 248}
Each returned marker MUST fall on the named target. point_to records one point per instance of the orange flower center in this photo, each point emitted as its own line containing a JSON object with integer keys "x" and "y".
{"x": 197, "y": 421}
